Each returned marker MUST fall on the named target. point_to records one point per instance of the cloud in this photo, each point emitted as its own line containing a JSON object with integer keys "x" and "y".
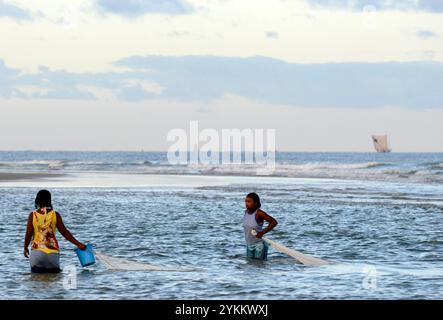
{"x": 263, "y": 79}
{"x": 137, "y": 8}
{"x": 425, "y": 34}
{"x": 405, "y": 84}
{"x": 272, "y": 35}
{"x": 435, "y": 6}
{"x": 6, "y": 74}
{"x": 431, "y": 5}
{"x": 64, "y": 85}
{"x": 12, "y": 11}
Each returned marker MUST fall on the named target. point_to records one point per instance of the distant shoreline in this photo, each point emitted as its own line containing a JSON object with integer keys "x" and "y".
{"x": 7, "y": 176}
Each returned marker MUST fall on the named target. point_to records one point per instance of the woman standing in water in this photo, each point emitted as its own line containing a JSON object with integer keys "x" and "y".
{"x": 254, "y": 219}
{"x": 41, "y": 229}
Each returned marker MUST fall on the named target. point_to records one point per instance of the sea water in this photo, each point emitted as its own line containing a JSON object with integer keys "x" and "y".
{"x": 378, "y": 217}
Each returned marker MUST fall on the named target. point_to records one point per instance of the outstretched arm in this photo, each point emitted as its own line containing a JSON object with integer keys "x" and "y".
{"x": 261, "y": 215}
{"x": 65, "y": 232}
{"x": 28, "y": 235}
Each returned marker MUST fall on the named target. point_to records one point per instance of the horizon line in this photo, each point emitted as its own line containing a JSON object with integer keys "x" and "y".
{"x": 152, "y": 151}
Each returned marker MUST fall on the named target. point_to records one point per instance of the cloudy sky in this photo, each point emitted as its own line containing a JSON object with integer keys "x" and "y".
{"x": 119, "y": 75}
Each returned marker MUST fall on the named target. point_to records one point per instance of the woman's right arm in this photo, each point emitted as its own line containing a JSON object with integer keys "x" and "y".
{"x": 28, "y": 235}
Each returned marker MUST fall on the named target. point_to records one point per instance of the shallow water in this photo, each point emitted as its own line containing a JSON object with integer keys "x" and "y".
{"x": 386, "y": 239}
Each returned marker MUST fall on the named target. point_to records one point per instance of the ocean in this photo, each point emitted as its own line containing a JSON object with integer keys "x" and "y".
{"x": 376, "y": 216}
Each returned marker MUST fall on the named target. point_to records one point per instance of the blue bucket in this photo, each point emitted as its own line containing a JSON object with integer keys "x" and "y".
{"x": 86, "y": 256}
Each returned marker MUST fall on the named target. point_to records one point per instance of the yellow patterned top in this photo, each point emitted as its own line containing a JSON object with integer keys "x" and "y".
{"x": 45, "y": 225}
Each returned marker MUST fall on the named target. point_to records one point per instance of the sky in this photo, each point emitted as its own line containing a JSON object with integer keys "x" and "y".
{"x": 119, "y": 75}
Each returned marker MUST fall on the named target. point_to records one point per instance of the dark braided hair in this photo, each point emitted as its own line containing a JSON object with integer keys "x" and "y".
{"x": 254, "y": 197}
{"x": 43, "y": 199}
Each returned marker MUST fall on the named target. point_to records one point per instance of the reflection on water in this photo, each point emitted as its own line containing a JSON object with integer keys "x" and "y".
{"x": 48, "y": 278}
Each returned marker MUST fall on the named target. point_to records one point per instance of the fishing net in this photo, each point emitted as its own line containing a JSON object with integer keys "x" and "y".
{"x": 112, "y": 263}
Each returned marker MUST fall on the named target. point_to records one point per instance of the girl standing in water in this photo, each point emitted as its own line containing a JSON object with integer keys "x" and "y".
{"x": 41, "y": 229}
{"x": 254, "y": 219}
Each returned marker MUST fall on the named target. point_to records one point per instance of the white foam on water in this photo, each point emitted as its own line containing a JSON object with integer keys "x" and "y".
{"x": 123, "y": 180}
{"x": 380, "y": 270}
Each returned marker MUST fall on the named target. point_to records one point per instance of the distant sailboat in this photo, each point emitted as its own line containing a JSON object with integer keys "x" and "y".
{"x": 381, "y": 143}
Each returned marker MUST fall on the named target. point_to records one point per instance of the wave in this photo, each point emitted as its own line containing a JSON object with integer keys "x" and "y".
{"x": 437, "y": 166}
{"x": 295, "y": 172}
{"x": 401, "y": 172}
{"x": 311, "y": 166}
{"x": 57, "y": 164}
{"x": 314, "y": 169}
{"x": 337, "y": 166}
{"x": 148, "y": 163}
{"x": 377, "y": 164}
{"x": 50, "y": 164}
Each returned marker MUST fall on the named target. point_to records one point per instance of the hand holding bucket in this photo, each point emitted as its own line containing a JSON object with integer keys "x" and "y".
{"x": 86, "y": 256}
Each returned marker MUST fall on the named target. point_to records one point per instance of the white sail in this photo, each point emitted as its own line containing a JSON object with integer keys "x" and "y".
{"x": 381, "y": 143}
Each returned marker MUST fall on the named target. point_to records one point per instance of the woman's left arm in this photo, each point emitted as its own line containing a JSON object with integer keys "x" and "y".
{"x": 271, "y": 223}
{"x": 65, "y": 232}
